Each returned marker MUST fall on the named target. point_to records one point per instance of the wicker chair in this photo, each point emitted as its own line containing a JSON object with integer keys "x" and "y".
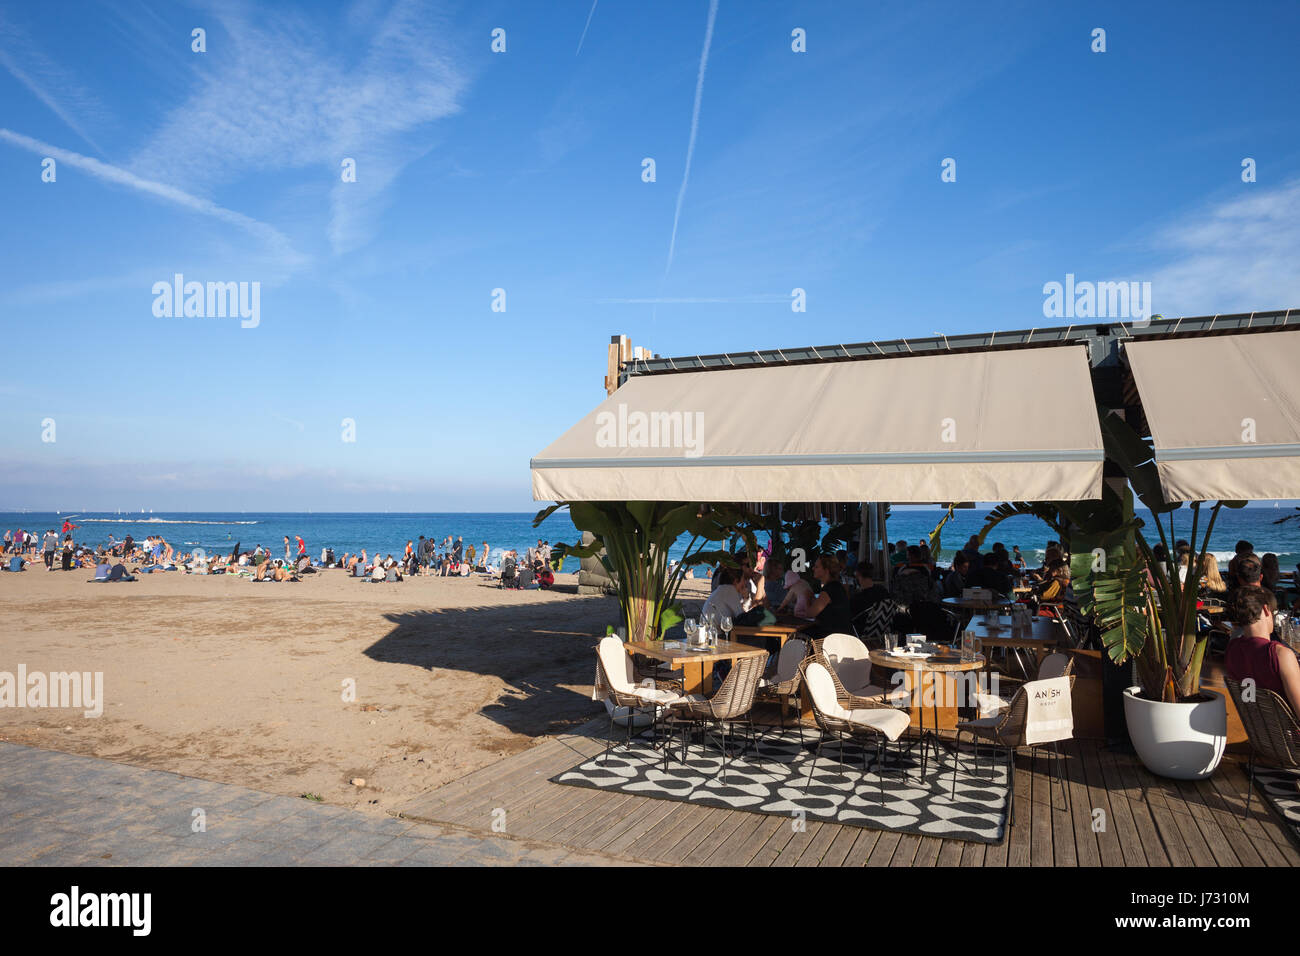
{"x": 851, "y": 672}
{"x": 615, "y": 682}
{"x": 875, "y": 621}
{"x": 1007, "y": 729}
{"x": 783, "y": 687}
{"x": 1272, "y": 729}
{"x": 1054, "y": 665}
{"x": 837, "y": 721}
{"x": 730, "y": 703}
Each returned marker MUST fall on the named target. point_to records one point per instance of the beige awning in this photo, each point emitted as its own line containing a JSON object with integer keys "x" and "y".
{"x": 1224, "y": 412}
{"x": 980, "y": 426}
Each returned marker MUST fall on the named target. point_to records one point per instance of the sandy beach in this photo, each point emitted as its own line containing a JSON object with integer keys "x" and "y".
{"x": 238, "y": 682}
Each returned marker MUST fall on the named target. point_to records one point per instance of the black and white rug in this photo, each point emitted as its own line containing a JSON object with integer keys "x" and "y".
{"x": 772, "y": 781}
{"x": 1281, "y": 788}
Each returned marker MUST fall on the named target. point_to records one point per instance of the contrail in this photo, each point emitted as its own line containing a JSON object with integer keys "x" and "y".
{"x": 695, "y": 128}
{"x": 584, "y": 29}
{"x": 171, "y": 194}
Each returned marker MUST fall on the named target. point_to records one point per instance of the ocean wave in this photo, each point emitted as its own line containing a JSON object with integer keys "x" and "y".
{"x": 155, "y": 521}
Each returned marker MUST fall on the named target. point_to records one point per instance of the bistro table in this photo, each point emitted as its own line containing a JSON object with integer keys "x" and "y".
{"x": 1045, "y": 636}
{"x": 970, "y": 604}
{"x": 695, "y": 662}
{"x": 782, "y": 630}
{"x": 936, "y": 676}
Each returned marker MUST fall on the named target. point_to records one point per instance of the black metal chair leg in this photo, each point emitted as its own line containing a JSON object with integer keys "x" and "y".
{"x": 880, "y": 765}
{"x": 817, "y": 753}
{"x": 1250, "y": 787}
{"x": 955, "y": 754}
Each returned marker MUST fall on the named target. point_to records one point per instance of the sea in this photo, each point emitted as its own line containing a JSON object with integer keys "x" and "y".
{"x": 217, "y": 532}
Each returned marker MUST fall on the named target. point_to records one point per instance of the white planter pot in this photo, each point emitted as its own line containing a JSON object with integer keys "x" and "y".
{"x": 1182, "y": 741}
{"x": 640, "y": 718}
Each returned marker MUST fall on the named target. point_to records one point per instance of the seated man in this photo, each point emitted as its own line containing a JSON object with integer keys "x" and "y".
{"x": 727, "y": 597}
{"x": 119, "y": 573}
{"x": 955, "y": 582}
{"x": 1253, "y": 655}
{"x": 869, "y": 593}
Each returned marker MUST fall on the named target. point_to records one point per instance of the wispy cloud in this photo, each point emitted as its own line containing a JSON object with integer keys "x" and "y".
{"x": 47, "y": 81}
{"x": 586, "y": 27}
{"x": 1237, "y": 255}
{"x": 695, "y": 128}
{"x": 277, "y": 242}
{"x": 280, "y": 96}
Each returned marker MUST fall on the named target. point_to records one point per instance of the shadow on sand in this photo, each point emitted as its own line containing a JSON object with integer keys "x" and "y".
{"x": 532, "y": 648}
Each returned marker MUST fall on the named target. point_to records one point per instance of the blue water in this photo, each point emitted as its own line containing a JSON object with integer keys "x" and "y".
{"x": 219, "y": 531}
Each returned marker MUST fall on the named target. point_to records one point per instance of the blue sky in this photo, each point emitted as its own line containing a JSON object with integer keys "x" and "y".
{"x": 522, "y": 171}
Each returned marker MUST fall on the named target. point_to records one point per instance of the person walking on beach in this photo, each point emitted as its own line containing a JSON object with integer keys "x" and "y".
{"x": 286, "y": 549}
{"x": 486, "y": 551}
{"x": 302, "y": 545}
{"x": 49, "y": 545}
{"x": 67, "y": 552}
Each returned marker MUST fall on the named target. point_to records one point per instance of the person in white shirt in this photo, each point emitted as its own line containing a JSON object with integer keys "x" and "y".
{"x": 727, "y": 596}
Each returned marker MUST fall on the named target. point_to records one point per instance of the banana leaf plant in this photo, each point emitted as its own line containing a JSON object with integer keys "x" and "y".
{"x": 1145, "y": 611}
{"x": 632, "y": 540}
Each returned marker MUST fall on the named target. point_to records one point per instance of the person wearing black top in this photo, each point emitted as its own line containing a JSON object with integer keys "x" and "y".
{"x": 869, "y": 592}
{"x": 830, "y": 608}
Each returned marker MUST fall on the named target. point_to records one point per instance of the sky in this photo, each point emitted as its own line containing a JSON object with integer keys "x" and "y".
{"x": 523, "y": 170}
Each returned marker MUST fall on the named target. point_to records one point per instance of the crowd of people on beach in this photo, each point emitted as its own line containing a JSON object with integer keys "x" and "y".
{"x": 122, "y": 560}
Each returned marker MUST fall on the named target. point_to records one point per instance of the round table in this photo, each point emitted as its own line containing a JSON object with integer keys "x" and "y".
{"x": 920, "y": 678}
{"x": 922, "y": 674}
{"x": 968, "y": 604}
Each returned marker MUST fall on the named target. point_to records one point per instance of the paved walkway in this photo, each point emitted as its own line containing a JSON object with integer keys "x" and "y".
{"x": 65, "y": 810}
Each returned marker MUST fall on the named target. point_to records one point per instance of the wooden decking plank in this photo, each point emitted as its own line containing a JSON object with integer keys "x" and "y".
{"x": 1040, "y": 835}
{"x": 972, "y": 854}
{"x": 1268, "y": 834}
{"x": 1203, "y": 801}
{"x": 1207, "y": 846}
{"x": 952, "y": 851}
{"x": 1145, "y": 793}
{"x": 862, "y": 848}
{"x": 681, "y": 821}
{"x": 1087, "y": 853}
{"x": 625, "y": 832}
{"x": 735, "y": 850}
{"x": 745, "y": 852}
{"x": 838, "y": 851}
{"x": 1117, "y": 841}
{"x": 578, "y": 831}
{"x": 800, "y": 842}
{"x": 704, "y": 852}
{"x": 1129, "y": 804}
{"x": 776, "y": 842}
{"x": 597, "y": 805}
{"x": 884, "y": 849}
{"x": 1019, "y": 836}
{"x": 686, "y": 844}
{"x": 820, "y": 844}
{"x": 928, "y": 850}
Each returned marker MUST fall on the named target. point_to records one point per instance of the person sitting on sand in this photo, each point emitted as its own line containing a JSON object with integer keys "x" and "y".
{"x": 119, "y": 573}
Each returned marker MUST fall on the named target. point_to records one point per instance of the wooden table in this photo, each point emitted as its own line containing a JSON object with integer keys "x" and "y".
{"x": 780, "y": 630}
{"x": 1045, "y": 636}
{"x": 967, "y": 604}
{"x": 935, "y": 676}
{"x": 695, "y": 663}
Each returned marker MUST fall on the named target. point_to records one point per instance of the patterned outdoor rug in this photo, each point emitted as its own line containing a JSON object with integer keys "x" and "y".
{"x": 1281, "y": 788}
{"x": 772, "y": 781}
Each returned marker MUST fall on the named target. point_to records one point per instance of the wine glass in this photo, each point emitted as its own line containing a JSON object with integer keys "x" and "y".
{"x": 726, "y": 625}
{"x": 691, "y": 628}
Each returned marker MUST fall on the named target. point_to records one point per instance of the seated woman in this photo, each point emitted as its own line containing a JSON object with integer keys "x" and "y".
{"x": 830, "y": 609}
{"x": 1056, "y": 587}
{"x": 774, "y": 582}
{"x": 1253, "y": 654}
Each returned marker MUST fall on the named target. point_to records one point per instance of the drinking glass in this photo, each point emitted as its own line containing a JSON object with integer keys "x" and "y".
{"x": 726, "y": 625}
{"x": 691, "y": 628}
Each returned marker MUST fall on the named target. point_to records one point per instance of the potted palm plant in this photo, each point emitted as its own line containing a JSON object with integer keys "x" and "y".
{"x": 1147, "y": 614}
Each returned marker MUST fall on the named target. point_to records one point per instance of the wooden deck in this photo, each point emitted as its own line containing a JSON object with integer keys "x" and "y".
{"x": 1148, "y": 821}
